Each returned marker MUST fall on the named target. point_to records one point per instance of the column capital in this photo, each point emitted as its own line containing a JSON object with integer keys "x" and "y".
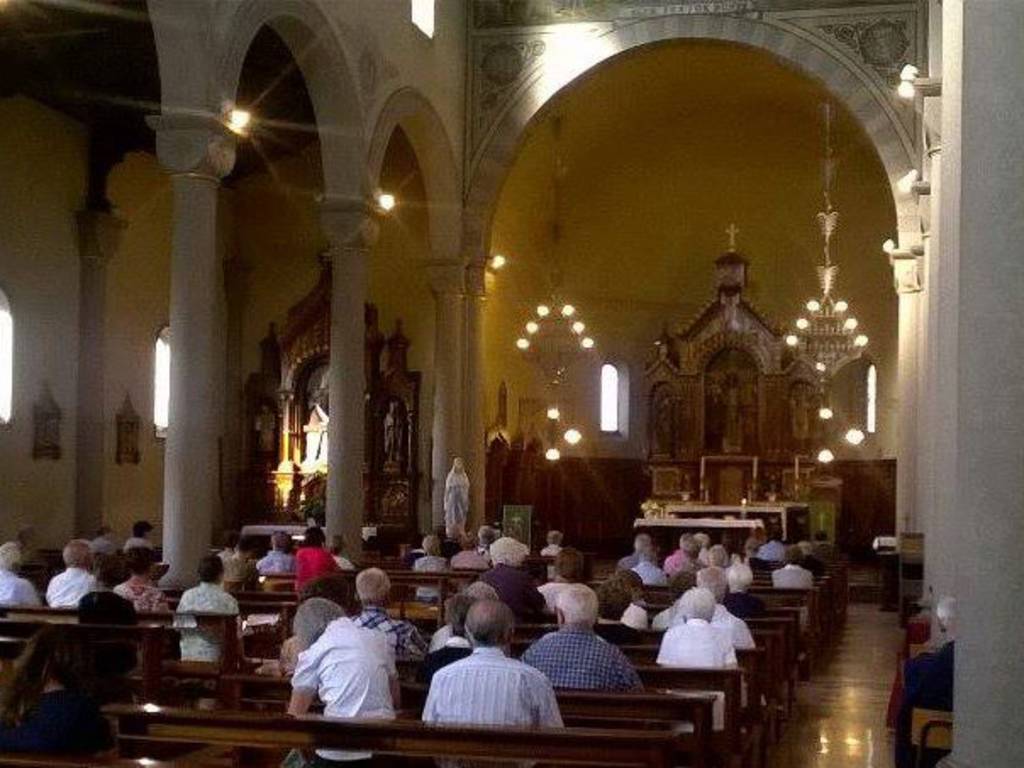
{"x": 351, "y": 224}
{"x": 445, "y": 277}
{"x": 99, "y": 235}
{"x": 476, "y": 283}
{"x": 193, "y": 143}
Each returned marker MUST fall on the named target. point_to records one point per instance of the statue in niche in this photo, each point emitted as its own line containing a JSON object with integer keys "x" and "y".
{"x": 456, "y": 500}
{"x": 732, "y": 439}
{"x": 730, "y": 403}
{"x": 266, "y": 429}
{"x": 46, "y": 422}
{"x": 315, "y": 456}
{"x": 800, "y": 406}
{"x": 394, "y": 436}
{"x": 127, "y": 421}
{"x": 664, "y": 432}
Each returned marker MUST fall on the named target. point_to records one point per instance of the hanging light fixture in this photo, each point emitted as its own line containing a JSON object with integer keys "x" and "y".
{"x": 826, "y": 333}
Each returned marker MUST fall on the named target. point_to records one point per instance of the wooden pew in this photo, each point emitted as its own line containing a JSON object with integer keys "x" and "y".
{"x": 173, "y": 732}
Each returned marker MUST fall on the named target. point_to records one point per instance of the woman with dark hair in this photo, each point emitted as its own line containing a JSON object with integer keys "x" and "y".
{"x": 199, "y": 643}
{"x": 46, "y": 707}
{"x": 139, "y": 589}
{"x": 312, "y": 559}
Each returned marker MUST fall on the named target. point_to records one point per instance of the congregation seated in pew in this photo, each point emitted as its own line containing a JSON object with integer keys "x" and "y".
{"x": 792, "y": 575}
{"x": 478, "y": 590}
{"x": 139, "y": 588}
{"x": 647, "y": 569}
{"x": 67, "y": 588}
{"x": 454, "y": 643}
{"x": 199, "y": 643}
{"x": 373, "y": 588}
{"x": 739, "y": 602}
{"x": 642, "y": 542}
{"x": 568, "y": 570}
{"x": 103, "y": 605}
{"x": 469, "y": 557}
{"x": 514, "y": 586}
{"x": 715, "y": 581}
{"x": 574, "y": 657}
{"x": 15, "y": 592}
{"x": 684, "y": 558}
{"x": 279, "y": 561}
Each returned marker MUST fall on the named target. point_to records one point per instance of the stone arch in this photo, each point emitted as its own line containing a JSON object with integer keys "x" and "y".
{"x": 864, "y": 99}
{"x": 316, "y": 46}
{"x": 409, "y": 109}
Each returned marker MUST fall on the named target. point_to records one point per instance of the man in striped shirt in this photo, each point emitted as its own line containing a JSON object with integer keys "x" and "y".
{"x": 489, "y": 688}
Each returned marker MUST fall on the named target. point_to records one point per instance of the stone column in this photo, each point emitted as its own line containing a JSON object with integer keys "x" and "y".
{"x": 476, "y": 398}
{"x": 352, "y": 228}
{"x": 983, "y": 223}
{"x": 446, "y": 283}
{"x": 99, "y": 237}
{"x": 197, "y": 152}
{"x": 908, "y": 286}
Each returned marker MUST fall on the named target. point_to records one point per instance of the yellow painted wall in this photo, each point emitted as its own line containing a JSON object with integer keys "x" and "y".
{"x": 663, "y": 149}
{"x": 43, "y": 168}
{"x": 138, "y": 306}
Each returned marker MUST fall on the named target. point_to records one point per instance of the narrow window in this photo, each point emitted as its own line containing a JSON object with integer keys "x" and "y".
{"x": 423, "y": 16}
{"x": 6, "y": 359}
{"x": 609, "y": 398}
{"x": 162, "y": 382}
{"x": 872, "y": 398}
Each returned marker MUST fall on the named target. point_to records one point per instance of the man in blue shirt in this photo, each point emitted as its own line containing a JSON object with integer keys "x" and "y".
{"x": 576, "y": 658}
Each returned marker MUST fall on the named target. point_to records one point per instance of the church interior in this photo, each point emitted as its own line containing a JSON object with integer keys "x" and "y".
{"x": 628, "y": 272}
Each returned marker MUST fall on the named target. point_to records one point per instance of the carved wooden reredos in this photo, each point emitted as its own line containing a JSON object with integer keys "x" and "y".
{"x": 287, "y": 399}
{"x": 727, "y": 383}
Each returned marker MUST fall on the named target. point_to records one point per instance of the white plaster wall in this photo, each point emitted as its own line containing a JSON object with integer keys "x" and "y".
{"x": 43, "y": 167}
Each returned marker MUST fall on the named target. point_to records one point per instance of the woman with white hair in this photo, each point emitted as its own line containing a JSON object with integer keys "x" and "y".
{"x": 431, "y": 562}
{"x": 513, "y": 585}
{"x": 738, "y": 601}
{"x": 694, "y": 642}
{"x": 714, "y": 580}
{"x": 15, "y": 592}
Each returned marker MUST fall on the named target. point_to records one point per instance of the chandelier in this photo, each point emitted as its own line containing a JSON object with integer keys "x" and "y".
{"x": 554, "y": 339}
{"x": 828, "y": 334}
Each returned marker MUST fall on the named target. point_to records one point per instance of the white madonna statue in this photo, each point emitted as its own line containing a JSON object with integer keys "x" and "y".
{"x": 456, "y": 500}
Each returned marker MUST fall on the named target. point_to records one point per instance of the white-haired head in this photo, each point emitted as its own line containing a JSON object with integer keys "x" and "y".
{"x": 554, "y": 538}
{"x": 806, "y": 548}
{"x": 718, "y": 556}
{"x": 373, "y": 587}
{"x": 702, "y": 539}
{"x": 432, "y": 545}
{"x": 10, "y": 556}
{"x": 945, "y": 612}
{"x": 508, "y": 551}
{"x": 696, "y": 603}
{"x": 713, "y": 579}
{"x": 740, "y": 577}
{"x": 78, "y": 554}
{"x": 577, "y": 606}
{"x": 481, "y": 590}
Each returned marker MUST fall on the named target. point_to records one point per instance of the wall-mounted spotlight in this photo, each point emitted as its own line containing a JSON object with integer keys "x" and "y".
{"x": 498, "y": 262}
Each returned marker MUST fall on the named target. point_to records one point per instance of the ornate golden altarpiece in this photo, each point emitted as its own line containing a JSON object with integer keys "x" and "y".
{"x": 287, "y": 409}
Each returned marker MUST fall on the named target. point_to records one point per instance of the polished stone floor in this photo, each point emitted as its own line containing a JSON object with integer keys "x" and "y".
{"x": 839, "y": 719}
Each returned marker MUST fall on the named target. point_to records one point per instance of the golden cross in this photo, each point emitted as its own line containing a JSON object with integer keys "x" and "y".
{"x": 732, "y": 231}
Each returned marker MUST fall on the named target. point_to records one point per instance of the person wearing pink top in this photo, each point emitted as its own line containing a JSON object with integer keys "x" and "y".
{"x": 684, "y": 558}
{"x": 313, "y": 559}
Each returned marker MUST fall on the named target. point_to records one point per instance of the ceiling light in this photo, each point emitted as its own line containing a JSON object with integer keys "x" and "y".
{"x": 587, "y": 343}
{"x": 792, "y": 340}
{"x": 543, "y": 310}
{"x": 238, "y": 120}
{"x": 850, "y": 324}
{"x": 841, "y": 306}
{"x": 386, "y": 201}
{"x": 825, "y": 413}
{"x": 568, "y": 310}
{"x": 572, "y": 436}
{"x": 523, "y": 343}
{"x": 498, "y": 261}
{"x": 854, "y": 436}
{"x": 554, "y": 414}
{"x": 813, "y": 305}
{"x": 861, "y": 341}
{"x": 820, "y": 367}
{"x": 532, "y": 327}
{"x": 578, "y": 327}
{"x": 825, "y": 456}
{"x": 802, "y": 323}
{"x": 552, "y": 454}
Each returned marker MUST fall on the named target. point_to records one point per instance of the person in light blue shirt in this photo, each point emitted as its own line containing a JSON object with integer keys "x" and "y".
{"x": 773, "y": 551}
{"x": 489, "y": 688}
{"x": 648, "y": 571}
{"x": 280, "y": 560}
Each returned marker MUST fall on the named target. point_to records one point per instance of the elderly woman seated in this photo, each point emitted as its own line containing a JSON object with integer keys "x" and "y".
{"x": 714, "y": 580}
{"x": 738, "y": 601}
{"x": 694, "y": 641}
{"x": 456, "y": 646}
{"x": 15, "y": 592}
{"x": 431, "y": 562}
{"x": 514, "y": 586}
{"x": 619, "y": 618}
{"x": 679, "y": 584}
{"x": 568, "y": 570}
{"x": 684, "y": 558}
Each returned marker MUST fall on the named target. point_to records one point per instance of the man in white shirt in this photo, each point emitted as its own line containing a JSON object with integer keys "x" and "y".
{"x": 648, "y": 571}
{"x": 352, "y": 671}
{"x": 67, "y": 588}
{"x": 792, "y": 575}
{"x": 15, "y": 592}
{"x": 715, "y": 581}
{"x": 489, "y": 688}
{"x": 694, "y": 642}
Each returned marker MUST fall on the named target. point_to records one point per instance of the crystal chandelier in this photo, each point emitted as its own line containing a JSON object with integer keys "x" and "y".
{"x": 827, "y": 334}
{"x": 555, "y": 339}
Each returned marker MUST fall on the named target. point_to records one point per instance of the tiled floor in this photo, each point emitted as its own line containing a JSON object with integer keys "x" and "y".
{"x": 839, "y": 720}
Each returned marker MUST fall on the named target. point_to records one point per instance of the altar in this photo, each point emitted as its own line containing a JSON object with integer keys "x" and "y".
{"x": 786, "y": 516}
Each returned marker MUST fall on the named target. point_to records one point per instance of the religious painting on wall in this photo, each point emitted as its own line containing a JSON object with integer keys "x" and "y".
{"x": 127, "y": 421}
{"x": 731, "y": 403}
{"x": 46, "y": 426}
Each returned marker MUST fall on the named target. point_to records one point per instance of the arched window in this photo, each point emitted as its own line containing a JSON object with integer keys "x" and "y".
{"x": 162, "y": 382}
{"x": 871, "y": 388}
{"x": 6, "y": 359}
{"x": 609, "y": 398}
{"x": 423, "y": 16}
